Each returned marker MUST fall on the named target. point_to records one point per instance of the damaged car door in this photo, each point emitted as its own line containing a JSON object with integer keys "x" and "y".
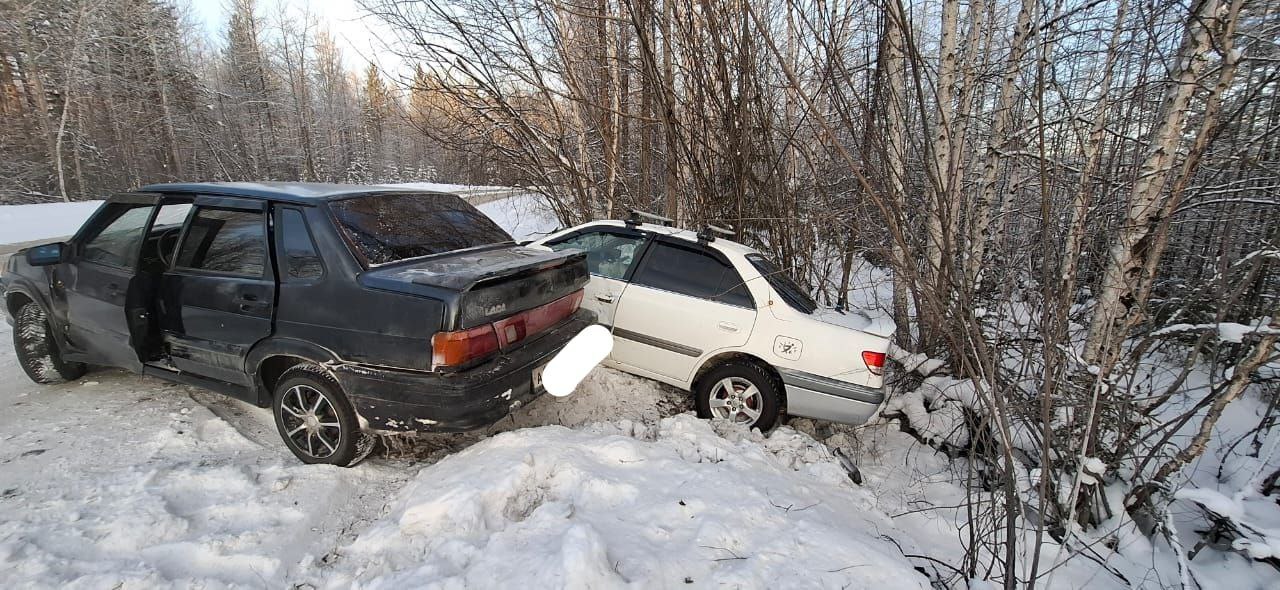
{"x": 218, "y": 296}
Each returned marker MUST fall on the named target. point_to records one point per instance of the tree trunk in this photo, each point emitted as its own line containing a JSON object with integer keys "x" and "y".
{"x": 893, "y": 64}
{"x": 980, "y": 224}
{"x": 166, "y": 113}
{"x": 1130, "y": 247}
{"x": 672, "y": 139}
{"x": 942, "y": 212}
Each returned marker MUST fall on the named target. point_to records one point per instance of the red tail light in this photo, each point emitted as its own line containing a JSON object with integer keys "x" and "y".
{"x": 874, "y": 361}
{"x": 454, "y": 349}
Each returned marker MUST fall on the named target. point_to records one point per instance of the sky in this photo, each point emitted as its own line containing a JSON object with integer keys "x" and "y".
{"x": 357, "y": 35}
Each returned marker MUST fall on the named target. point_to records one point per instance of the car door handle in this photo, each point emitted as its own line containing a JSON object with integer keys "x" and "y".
{"x": 249, "y": 302}
{"x": 113, "y": 288}
{"x": 728, "y": 326}
{"x": 604, "y": 298}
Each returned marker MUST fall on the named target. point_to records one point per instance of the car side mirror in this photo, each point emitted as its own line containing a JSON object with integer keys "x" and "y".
{"x": 46, "y": 254}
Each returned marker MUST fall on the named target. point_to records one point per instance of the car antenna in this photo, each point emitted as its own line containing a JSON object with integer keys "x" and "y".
{"x": 637, "y": 217}
{"x": 709, "y": 231}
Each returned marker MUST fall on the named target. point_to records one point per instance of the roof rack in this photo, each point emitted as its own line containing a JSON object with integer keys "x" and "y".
{"x": 637, "y": 217}
{"x": 709, "y": 231}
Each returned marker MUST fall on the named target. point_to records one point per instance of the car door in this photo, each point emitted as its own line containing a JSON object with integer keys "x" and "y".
{"x": 611, "y": 255}
{"x": 105, "y": 298}
{"x": 218, "y": 295}
{"x": 683, "y": 301}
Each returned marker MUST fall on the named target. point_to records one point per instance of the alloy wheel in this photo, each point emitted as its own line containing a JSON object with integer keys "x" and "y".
{"x": 737, "y": 400}
{"x": 310, "y": 421}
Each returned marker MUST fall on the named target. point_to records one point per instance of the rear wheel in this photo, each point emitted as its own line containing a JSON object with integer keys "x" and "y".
{"x": 38, "y": 350}
{"x": 316, "y": 420}
{"x": 741, "y": 392}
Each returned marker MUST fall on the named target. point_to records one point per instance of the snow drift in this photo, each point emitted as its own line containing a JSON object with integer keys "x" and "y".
{"x": 625, "y": 504}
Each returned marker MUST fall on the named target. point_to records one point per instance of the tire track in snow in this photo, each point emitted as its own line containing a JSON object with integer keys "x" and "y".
{"x": 252, "y": 422}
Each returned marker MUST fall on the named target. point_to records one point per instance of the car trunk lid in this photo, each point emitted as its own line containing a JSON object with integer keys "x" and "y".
{"x": 487, "y": 284}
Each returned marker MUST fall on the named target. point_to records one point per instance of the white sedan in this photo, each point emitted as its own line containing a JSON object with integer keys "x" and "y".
{"x": 717, "y": 318}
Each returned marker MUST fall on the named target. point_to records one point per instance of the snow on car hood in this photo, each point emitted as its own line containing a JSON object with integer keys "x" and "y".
{"x": 863, "y": 321}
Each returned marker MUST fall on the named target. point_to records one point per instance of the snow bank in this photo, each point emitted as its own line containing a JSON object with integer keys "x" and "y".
{"x": 43, "y": 221}
{"x": 1257, "y": 533}
{"x": 1227, "y": 331}
{"x": 144, "y": 488}
{"x": 525, "y": 217}
{"x": 442, "y": 187}
{"x": 605, "y": 395}
{"x": 915, "y": 361}
{"x": 624, "y": 504}
{"x": 1214, "y": 500}
{"x": 936, "y": 409}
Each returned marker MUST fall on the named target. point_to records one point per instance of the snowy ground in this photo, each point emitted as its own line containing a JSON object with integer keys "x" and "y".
{"x": 126, "y": 481}
{"x": 121, "y": 481}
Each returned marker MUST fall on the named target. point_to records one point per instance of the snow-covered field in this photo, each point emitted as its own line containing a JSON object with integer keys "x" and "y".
{"x": 28, "y": 223}
{"x": 522, "y": 215}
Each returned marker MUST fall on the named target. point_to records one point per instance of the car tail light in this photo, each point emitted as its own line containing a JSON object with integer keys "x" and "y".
{"x": 874, "y": 360}
{"x": 528, "y": 323}
{"x": 453, "y": 349}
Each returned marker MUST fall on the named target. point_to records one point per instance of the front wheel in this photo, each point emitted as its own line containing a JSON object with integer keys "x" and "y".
{"x": 315, "y": 419}
{"x": 741, "y": 392}
{"x": 38, "y": 350}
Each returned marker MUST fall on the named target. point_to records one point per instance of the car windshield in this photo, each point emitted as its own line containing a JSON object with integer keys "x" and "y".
{"x": 781, "y": 282}
{"x": 398, "y": 226}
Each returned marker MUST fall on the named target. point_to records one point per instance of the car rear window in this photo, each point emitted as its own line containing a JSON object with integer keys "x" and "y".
{"x": 787, "y": 288}
{"x": 389, "y": 227}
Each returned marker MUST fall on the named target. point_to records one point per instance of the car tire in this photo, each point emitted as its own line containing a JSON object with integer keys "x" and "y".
{"x": 37, "y": 349}
{"x": 739, "y": 391}
{"x": 316, "y": 420}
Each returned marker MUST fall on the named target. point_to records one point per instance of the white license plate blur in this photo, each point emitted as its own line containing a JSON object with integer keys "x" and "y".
{"x": 568, "y": 368}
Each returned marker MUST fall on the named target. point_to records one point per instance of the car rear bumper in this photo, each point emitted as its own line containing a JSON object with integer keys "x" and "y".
{"x": 815, "y": 396}
{"x": 391, "y": 400}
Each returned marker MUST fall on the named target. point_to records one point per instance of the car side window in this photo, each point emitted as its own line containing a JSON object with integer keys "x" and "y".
{"x": 608, "y": 254}
{"x": 117, "y": 243}
{"x": 225, "y": 241}
{"x": 688, "y": 271}
{"x": 301, "y": 258}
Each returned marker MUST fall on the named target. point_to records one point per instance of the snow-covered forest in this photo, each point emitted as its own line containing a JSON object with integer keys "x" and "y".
{"x": 106, "y": 96}
{"x": 1070, "y": 208}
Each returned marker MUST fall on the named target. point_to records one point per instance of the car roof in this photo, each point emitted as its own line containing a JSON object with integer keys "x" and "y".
{"x": 722, "y": 244}
{"x": 292, "y": 192}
